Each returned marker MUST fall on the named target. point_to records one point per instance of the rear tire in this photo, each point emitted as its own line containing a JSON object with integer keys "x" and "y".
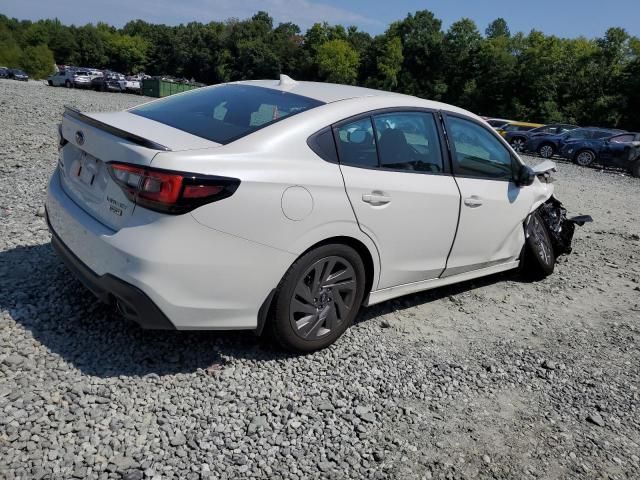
{"x": 635, "y": 169}
{"x": 585, "y": 158}
{"x": 67, "y": 84}
{"x": 517, "y": 144}
{"x": 538, "y": 256}
{"x": 318, "y": 298}
{"x": 546, "y": 150}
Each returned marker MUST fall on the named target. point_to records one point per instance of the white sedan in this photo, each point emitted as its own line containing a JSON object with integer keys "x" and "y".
{"x": 289, "y": 205}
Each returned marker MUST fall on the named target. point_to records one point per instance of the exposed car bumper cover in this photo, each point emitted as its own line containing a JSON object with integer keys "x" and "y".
{"x": 130, "y": 301}
{"x": 561, "y": 228}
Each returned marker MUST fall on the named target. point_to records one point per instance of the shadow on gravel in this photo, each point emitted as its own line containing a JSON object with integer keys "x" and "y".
{"x": 420, "y": 298}
{"x": 41, "y": 295}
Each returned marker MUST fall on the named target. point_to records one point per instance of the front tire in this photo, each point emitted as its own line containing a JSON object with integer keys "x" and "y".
{"x": 635, "y": 169}
{"x": 538, "y": 257}
{"x": 585, "y": 158}
{"x": 546, "y": 150}
{"x": 67, "y": 84}
{"x": 318, "y": 298}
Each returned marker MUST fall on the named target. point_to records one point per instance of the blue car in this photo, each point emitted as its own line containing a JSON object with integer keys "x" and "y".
{"x": 518, "y": 138}
{"x": 547, "y": 145}
{"x": 621, "y": 151}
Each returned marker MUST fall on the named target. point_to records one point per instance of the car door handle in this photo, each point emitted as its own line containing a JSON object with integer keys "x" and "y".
{"x": 473, "y": 201}
{"x": 375, "y": 198}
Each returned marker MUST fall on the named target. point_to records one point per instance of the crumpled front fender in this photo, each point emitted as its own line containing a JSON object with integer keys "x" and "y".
{"x": 561, "y": 228}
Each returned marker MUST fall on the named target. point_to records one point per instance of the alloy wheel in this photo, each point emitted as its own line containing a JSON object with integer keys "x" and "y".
{"x": 546, "y": 151}
{"x": 323, "y": 297}
{"x": 517, "y": 144}
{"x": 584, "y": 159}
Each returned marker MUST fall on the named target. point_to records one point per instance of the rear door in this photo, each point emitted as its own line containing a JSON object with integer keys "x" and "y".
{"x": 493, "y": 207}
{"x": 401, "y": 190}
{"x": 616, "y": 150}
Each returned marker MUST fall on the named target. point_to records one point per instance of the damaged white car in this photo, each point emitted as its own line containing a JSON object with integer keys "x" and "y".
{"x": 289, "y": 205}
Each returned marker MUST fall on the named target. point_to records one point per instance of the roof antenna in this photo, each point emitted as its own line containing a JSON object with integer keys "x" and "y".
{"x": 286, "y": 80}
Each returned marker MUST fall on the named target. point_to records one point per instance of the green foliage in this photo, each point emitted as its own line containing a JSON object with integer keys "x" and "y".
{"x": 338, "y": 61}
{"x": 531, "y": 76}
{"x": 10, "y": 53}
{"x": 37, "y": 61}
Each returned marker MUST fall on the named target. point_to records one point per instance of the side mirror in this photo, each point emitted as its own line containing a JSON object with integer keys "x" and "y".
{"x": 525, "y": 176}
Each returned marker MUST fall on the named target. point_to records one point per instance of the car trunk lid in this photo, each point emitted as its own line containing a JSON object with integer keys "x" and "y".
{"x": 94, "y": 140}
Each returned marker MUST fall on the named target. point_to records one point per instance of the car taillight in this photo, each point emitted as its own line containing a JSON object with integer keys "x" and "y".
{"x": 168, "y": 191}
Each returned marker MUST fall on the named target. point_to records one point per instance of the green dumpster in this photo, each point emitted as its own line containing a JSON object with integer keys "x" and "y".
{"x": 157, "y": 87}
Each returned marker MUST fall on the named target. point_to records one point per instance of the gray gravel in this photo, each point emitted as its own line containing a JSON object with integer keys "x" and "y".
{"x": 496, "y": 378}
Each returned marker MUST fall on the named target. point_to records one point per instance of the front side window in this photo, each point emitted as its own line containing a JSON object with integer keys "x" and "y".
{"x": 478, "y": 153}
{"x": 227, "y": 112}
{"x": 600, "y": 134}
{"x": 356, "y": 144}
{"x": 408, "y": 141}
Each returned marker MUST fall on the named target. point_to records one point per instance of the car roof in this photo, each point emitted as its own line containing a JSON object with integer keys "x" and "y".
{"x": 324, "y": 92}
{"x": 526, "y": 124}
{"x": 332, "y": 92}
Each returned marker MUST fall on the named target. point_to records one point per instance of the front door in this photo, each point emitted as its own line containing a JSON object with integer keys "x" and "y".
{"x": 493, "y": 208}
{"x": 401, "y": 190}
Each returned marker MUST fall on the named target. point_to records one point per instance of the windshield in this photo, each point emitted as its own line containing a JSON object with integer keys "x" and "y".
{"x": 225, "y": 113}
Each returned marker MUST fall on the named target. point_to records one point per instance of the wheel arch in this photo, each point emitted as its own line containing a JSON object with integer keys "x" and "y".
{"x": 371, "y": 268}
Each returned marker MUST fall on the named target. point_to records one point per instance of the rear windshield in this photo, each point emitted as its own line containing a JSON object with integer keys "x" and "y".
{"x": 225, "y": 113}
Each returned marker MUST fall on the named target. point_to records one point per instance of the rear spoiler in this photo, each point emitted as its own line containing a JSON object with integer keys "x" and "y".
{"x": 143, "y": 142}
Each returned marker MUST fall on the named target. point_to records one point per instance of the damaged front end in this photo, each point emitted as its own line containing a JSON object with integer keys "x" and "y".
{"x": 560, "y": 228}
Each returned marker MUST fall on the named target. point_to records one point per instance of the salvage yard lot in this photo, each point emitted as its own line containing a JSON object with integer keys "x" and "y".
{"x": 495, "y": 378}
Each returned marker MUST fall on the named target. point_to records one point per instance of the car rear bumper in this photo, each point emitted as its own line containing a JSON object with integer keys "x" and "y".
{"x": 130, "y": 301}
{"x": 197, "y": 277}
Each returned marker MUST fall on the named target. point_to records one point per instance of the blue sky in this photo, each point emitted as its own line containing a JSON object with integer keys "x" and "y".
{"x": 568, "y": 18}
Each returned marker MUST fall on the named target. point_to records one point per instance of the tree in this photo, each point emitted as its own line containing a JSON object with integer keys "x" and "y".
{"x": 10, "y": 53}
{"x": 421, "y": 36}
{"x": 461, "y": 48}
{"x": 338, "y": 61}
{"x": 498, "y": 28}
{"x": 126, "y": 53}
{"x": 37, "y": 61}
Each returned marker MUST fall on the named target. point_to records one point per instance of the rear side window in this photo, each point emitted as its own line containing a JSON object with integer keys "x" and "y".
{"x": 356, "y": 144}
{"x": 478, "y": 153}
{"x": 225, "y": 113}
{"x": 623, "y": 138}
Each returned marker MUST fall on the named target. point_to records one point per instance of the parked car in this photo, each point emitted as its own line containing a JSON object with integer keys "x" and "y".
{"x": 621, "y": 151}
{"x": 4, "y": 72}
{"x": 547, "y": 145}
{"x": 290, "y": 204}
{"x": 518, "y": 138}
{"x": 82, "y": 79}
{"x": 133, "y": 84}
{"x": 17, "y": 74}
{"x": 517, "y": 127}
{"x": 109, "y": 82}
{"x": 62, "y": 78}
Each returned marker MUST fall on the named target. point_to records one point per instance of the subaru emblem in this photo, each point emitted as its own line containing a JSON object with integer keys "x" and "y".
{"x": 79, "y": 137}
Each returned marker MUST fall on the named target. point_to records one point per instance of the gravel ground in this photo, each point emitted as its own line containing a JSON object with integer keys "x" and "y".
{"x": 496, "y": 378}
